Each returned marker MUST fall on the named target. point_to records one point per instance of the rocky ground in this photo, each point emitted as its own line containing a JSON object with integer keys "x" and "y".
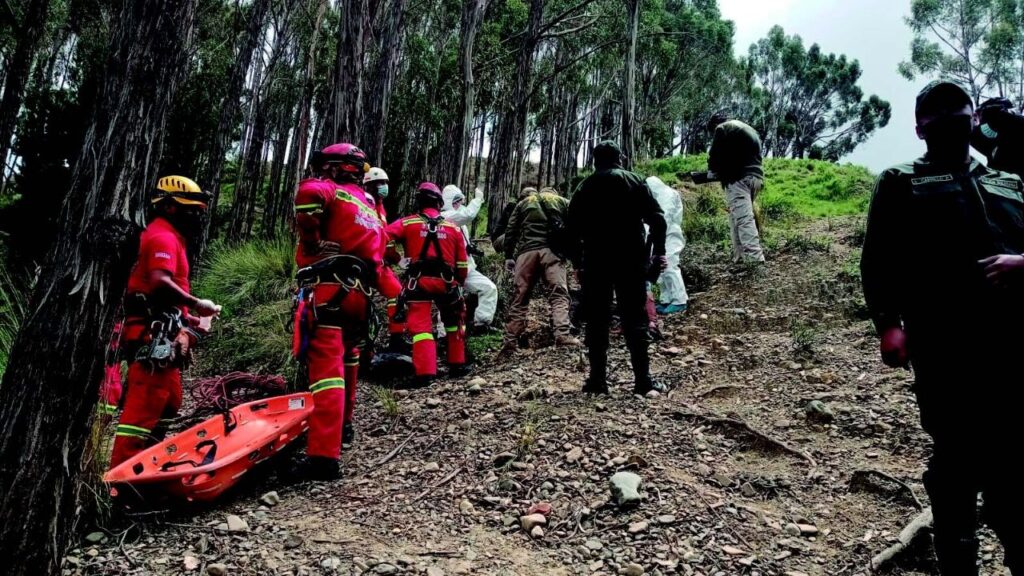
{"x": 764, "y": 458}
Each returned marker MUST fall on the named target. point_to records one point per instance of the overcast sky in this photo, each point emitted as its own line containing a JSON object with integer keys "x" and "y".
{"x": 871, "y": 31}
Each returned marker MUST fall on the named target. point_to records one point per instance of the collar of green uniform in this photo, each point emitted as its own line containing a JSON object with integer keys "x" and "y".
{"x": 925, "y": 165}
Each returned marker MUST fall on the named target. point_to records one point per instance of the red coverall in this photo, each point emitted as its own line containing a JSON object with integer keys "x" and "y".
{"x": 339, "y": 213}
{"x": 411, "y": 232}
{"x": 154, "y": 395}
{"x": 387, "y": 282}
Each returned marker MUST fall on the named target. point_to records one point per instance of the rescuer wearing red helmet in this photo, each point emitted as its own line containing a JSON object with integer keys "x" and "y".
{"x": 157, "y": 331}
{"x": 436, "y": 275}
{"x": 339, "y": 251}
{"x": 376, "y": 183}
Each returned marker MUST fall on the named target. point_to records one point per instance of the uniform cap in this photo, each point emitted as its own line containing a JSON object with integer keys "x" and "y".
{"x": 941, "y": 94}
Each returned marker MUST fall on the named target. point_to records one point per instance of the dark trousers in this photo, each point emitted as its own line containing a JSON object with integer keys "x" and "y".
{"x": 629, "y": 288}
{"x": 970, "y": 403}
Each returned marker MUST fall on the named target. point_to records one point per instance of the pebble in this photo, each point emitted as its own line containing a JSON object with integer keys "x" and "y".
{"x": 529, "y": 521}
{"x": 95, "y": 537}
{"x": 217, "y": 569}
{"x": 574, "y": 455}
{"x": 431, "y": 467}
{"x": 478, "y": 381}
{"x": 722, "y": 480}
{"x": 593, "y": 544}
{"x": 733, "y": 551}
{"x": 466, "y": 507}
{"x": 632, "y": 569}
{"x": 625, "y": 488}
{"x": 666, "y": 519}
{"x": 433, "y": 402}
{"x": 792, "y": 529}
{"x": 270, "y": 499}
{"x": 435, "y": 571}
{"x": 385, "y": 568}
{"x": 237, "y": 524}
{"x": 330, "y": 563}
{"x": 818, "y": 411}
{"x": 475, "y": 389}
{"x": 638, "y": 527}
{"x": 542, "y": 508}
{"x": 292, "y": 541}
{"x": 537, "y": 532}
{"x": 503, "y": 459}
{"x": 807, "y": 529}
{"x": 748, "y": 490}
{"x": 190, "y": 562}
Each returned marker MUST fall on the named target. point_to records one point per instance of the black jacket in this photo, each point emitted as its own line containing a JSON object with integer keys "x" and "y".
{"x": 607, "y": 214}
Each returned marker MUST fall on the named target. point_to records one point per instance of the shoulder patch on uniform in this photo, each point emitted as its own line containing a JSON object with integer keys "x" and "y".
{"x": 931, "y": 179}
{"x": 1003, "y": 182}
{"x": 162, "y": 256}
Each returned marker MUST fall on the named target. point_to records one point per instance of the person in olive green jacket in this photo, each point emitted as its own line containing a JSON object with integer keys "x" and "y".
{"x": 735, "y": 160}
{"x": 530, "y": 256}
{"x": 944, "y": 282}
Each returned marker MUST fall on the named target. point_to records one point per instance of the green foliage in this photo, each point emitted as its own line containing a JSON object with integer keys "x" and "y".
{"x": 978, "y": 43}
{"x": 12, "y": 311}
{"x": 387, "y": 400}
{"x": 804, "y": 336}
{"x": 253, "y": 282}
{"x": 806, "y": 102}
{"x": 481, "y": 345}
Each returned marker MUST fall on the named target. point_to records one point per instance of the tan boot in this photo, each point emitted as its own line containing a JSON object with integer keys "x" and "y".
{"x": 567, "y": 340}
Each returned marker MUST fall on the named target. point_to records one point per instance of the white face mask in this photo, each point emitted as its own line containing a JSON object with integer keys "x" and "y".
{"x": 382, "y": 191}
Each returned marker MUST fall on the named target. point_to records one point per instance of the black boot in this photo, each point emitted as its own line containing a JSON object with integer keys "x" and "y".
{"x": 458, "y": 371}
{"x": 422, "y": 381}
{"x": 647, "y": 384}
{"x": 595, "y": 386}
{"x": 398, "y": 344}
{"x": 315, "y": 468}
{"x": 348, "y": 435}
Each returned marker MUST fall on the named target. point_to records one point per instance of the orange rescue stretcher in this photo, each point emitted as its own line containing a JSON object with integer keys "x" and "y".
{"x": 200, "y": 463}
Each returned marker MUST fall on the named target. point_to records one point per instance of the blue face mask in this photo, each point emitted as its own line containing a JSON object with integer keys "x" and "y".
{"x": 382, "y": 191}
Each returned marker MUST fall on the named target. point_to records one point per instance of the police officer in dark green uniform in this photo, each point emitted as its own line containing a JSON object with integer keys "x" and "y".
{"x": 944, "y": 282}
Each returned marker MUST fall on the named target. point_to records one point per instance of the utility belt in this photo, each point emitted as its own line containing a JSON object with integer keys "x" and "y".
{"x": 412, "y": 290}
{"x": 349, "y": 273}
{"x": 159, "y": 348}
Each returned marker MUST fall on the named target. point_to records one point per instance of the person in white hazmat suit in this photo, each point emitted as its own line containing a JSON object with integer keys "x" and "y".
{"x": 457, "y": 212}
{"x": 673, "y": 296}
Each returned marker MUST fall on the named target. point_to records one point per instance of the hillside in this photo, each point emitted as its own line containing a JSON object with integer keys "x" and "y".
{"x": 761, "y": 460}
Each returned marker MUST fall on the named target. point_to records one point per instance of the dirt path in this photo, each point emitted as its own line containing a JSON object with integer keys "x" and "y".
{"x": 438, "y": 480}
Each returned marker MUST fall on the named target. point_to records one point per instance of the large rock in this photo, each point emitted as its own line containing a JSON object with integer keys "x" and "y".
{"x": 270, "y": 499}
{"x": 625, "y": 488}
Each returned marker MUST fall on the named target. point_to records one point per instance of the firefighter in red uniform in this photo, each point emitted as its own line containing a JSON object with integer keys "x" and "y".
{"x": 438, "y": 265}
{"x": 376, "y": 183}
{"x": 338, "y": 255}
{"x": 156, "y": 334}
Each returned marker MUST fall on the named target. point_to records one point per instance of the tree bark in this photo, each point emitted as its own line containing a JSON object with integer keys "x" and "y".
{"x": 378, "y": 100}
{"x": 629, "y": 85}
{"x": 48, "y": 393}
{"x": 227, "y": 123}
{"x": 506, "y": 172}
{"x": 17, "y": 73}
{"x": 306, "y": 102}
{"x": 347, "y": 120}
{"x": 472, "y": 18}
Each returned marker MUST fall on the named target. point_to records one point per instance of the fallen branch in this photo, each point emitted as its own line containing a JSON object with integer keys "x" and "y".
{"x": 917, "y": 526}
{"x": 860, "y": 478}
{"x": 715, "y": 420}
{"x": 387, "y": 457}
{"x": 438, "y": 484}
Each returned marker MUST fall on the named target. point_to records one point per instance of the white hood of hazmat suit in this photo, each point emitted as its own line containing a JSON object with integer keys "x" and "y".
{"x": 673, "y": 291}
{"x": 476, "y": 283}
